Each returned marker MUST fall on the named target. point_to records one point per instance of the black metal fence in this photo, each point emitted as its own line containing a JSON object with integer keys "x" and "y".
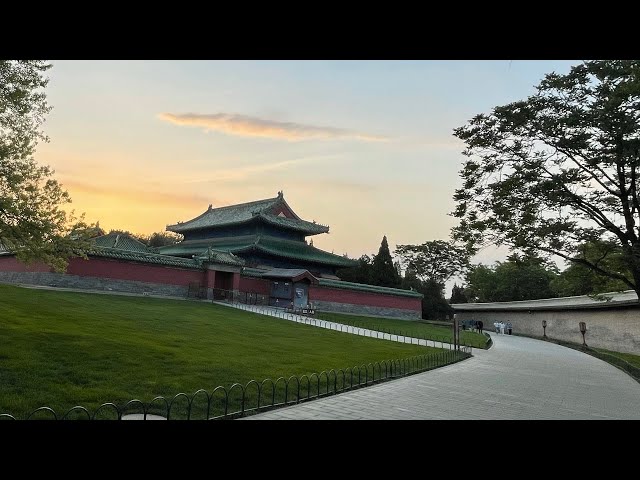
{"x": 254, "y": 397}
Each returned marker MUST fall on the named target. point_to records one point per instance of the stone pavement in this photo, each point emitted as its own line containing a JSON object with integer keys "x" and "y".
{"x": 519, "y": 378}
{"x": 365, "y": 332}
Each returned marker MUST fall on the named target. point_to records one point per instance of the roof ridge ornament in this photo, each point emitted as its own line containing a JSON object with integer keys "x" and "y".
{"x": 280, "y": 194}
{"x": 210, "y": 207}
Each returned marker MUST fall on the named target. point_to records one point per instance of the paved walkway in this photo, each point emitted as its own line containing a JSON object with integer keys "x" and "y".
{"x": 519, "y": 378}
{"x": 365, "y": 332}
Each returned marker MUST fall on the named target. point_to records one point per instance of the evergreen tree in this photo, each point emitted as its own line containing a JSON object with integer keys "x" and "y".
{"x": 457, "y": 295}
{"x": 383, "y": 271}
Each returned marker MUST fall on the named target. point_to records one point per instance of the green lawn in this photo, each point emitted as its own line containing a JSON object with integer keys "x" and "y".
{"x": 634, "y": 360}
{"x": 61, "y": 349}
{"x": 406, "y": 327}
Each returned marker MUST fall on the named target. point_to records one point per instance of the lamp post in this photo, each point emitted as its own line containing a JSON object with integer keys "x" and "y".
{"x": 544, "y": 329}
{"x": 583, "y": 330}
{"x": 456, "y": 333}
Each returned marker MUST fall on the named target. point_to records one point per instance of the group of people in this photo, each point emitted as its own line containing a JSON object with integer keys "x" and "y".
{"x": 503, "y": 328}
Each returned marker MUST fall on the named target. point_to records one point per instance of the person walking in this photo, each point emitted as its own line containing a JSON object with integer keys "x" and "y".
{"x": 480, "y": 326}
{"x": 509, "y": 327}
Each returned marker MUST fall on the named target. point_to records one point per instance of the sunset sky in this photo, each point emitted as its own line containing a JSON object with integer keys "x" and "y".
{"x": 363, "y": 146}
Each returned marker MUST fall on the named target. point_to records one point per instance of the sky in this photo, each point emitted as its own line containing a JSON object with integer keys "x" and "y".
{"x": 366, "y": 147}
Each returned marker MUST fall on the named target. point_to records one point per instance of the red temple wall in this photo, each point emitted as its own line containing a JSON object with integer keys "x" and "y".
{"x": 11, "y": 264}
{"x": 318, "y": 293}
{"x": 107, "y": 268}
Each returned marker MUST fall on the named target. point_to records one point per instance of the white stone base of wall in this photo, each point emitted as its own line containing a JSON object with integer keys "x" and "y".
{"x": 92, "y": 283}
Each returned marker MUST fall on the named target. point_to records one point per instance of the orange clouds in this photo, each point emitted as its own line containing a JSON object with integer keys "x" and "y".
{"x": 243, "y": 125}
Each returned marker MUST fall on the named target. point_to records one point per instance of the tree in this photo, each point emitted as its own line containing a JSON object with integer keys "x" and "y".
{"x": 161, "y": 239}
{"x": 432, "y": 264}
{"x": 383, "y": 271}
{"x": 558, "y": 169}
{"x": 434, "y": 305}
{"x": 435, "y": 260}
{"x": 361, "y": 273}
{"x": 33, "y": 223}
{"x": 578, "y": 279}
{"x": 518, "y": 278}
{"x": 458, "y": 295}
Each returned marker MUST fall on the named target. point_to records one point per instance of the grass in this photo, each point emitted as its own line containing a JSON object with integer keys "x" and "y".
{"x": 633, "y": 360}
{"x": 61, "y": 349}
{"x": 627, "y": 362}
{"x": 416, "y": 329}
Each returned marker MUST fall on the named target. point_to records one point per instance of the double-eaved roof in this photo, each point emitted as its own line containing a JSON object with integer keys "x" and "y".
{"x": 277, "y": 247}
{"x": 259, "y": 210}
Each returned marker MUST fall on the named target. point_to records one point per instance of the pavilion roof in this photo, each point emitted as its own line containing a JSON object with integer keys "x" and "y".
{"x": 248, "y": 212}
{"x": 261, "y": 243}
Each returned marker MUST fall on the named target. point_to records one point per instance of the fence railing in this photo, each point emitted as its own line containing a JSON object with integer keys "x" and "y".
{"x": 372, "y": 331}
{"x": 254, "y": 397}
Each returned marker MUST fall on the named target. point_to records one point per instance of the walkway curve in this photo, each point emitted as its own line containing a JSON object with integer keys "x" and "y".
{"x": 519, "y": 378}
{"x": 339, "y": 327}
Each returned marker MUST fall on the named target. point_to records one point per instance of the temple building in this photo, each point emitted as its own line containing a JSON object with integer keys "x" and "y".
{"x": 255, "y": 252}
{"x": 266, "y": 234}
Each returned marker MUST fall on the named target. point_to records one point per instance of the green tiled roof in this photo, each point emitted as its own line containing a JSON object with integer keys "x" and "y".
{"x": 300, "y": 251}
{"x": 225, "y": 215}
{"x": 292, "y": 223}
{"x": 220, "y": 256}
{"x": 190, "y": 247}
{"x": 145, "y": 257}
{"x": 246, "y": 212}
{"x": 121, "y": 242}
{"x": 252, "y": 272}
{"x": 325, "y": 282}
{"x": 262, "y": 243}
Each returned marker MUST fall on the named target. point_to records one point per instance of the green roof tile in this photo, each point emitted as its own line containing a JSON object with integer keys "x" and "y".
{"x": 274, "y": 246}
{"x": 300, "y": 251}
{"x": 247, "y": 212}
{"x": 294, "y": 224}
{"x": 145, "y": 257}
{"x": 121, "y": 241}
{"x": 219, "y": 256}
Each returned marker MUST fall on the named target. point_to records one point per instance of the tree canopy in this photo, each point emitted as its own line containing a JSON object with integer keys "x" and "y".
{"x": 436, "y": 260}
{"x": 559, "y": 169}
{"x": 577, "y": 279}
{"x": 361, "y": 273}
{"x": 33, "y": 222}
{"x": 458, "y": 295}
{"x": 518, "y": 278}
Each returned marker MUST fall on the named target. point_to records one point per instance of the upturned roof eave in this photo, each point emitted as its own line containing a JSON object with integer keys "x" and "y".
{"x": 337, "y": 262}
{"x": 310, "y": 230}
{"x": 172, "y": 228}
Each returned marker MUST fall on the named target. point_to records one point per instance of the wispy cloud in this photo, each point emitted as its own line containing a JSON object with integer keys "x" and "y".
{"x": 245, "y": 172}
{"x": 243, "y": 125}
{"x": 124, "y": 194}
